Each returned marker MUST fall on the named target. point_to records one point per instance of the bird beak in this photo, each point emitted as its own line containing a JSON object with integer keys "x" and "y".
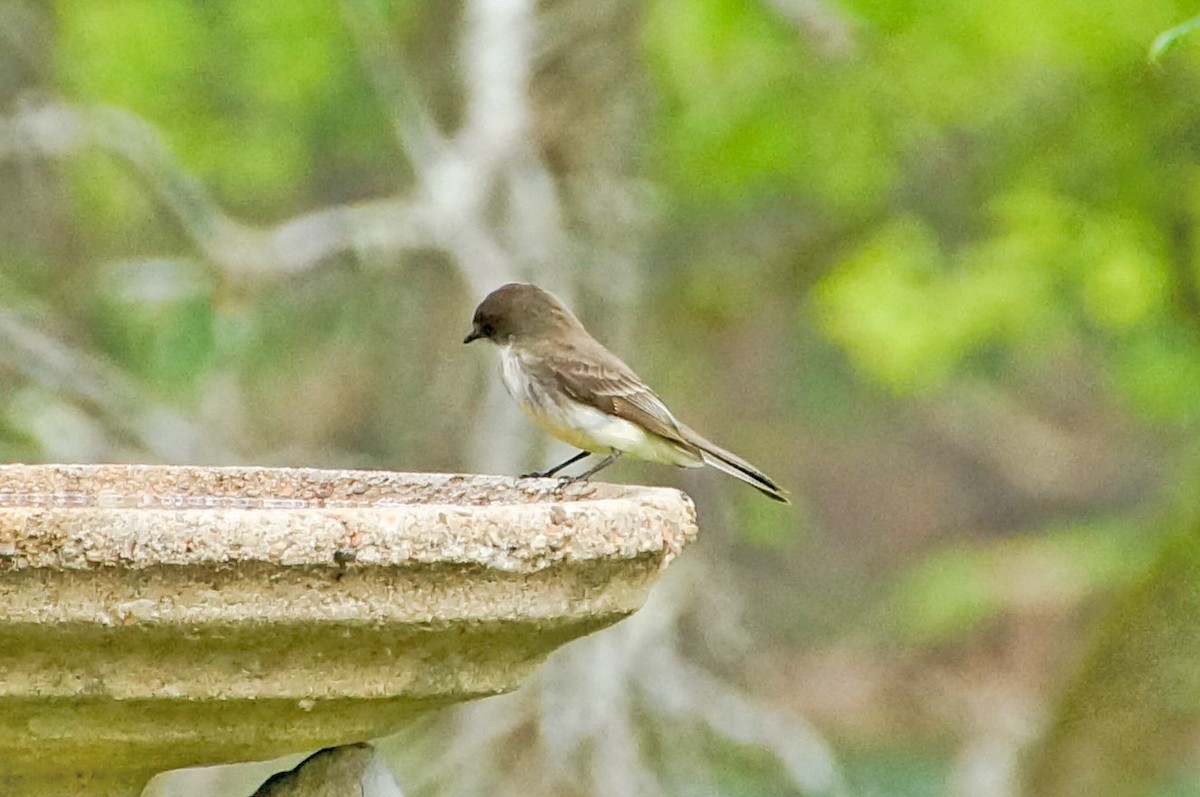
{"x": 475, "y": 334}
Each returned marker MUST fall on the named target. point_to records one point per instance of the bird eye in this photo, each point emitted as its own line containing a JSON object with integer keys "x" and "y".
{"x": 488, "y": 330}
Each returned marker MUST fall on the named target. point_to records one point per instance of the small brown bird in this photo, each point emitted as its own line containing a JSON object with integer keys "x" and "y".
{"x": 583, "y": 394}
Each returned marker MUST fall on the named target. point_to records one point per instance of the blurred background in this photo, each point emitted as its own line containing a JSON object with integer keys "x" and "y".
{"x": 933, "y": 266}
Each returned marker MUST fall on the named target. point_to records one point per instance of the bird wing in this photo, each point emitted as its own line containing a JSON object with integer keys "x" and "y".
{"x": 597, "y": 378}
{"x": 602, "y": 381}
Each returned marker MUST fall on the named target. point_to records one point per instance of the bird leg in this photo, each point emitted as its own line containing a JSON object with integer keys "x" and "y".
{"x": 592, "y": 471}
{"x": 546, "y": 473}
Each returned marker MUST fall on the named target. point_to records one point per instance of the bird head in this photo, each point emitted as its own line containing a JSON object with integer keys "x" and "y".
{"x": 518, "y": 312}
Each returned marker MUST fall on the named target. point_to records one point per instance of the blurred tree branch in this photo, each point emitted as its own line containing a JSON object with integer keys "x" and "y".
{"x": 127, "y": 414}
{"x": 416, "y": 132}
{"x": 592, "y": 708}
{"x": 381, "y": 227}
{"x": 448, "y": 210}
{"x": 826, "y": 25}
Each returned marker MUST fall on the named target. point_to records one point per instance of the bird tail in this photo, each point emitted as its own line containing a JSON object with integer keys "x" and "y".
{"x": 735, "y": 466}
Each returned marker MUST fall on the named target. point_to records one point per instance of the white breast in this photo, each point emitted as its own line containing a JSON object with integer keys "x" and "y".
{"x": 513, "y": 373}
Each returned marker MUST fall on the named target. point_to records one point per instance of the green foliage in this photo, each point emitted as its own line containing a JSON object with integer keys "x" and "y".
{"x": 252, "y": 97}
{"x": 982, "y": 185}
{"x": 910, "y": 313}
{"x": 957, "y": 589}
{"x": 14, "y": 439}
{"x": 763, "y": 523}
{"x": 742, "y": 108}
{"x": 1160, "y": 373}
{"x": 1044, "y": 219}
{"x": 116, "y": 207}
{"x": 724, "y": 767}
{"x": 890, "y": 308}
{"x": 1122, "y": 719}
{"x": 1169, "y": 38}
{"x": 155, "y": 318}
{"x": 23, "y": 281}
{"x": 896, "y": 773}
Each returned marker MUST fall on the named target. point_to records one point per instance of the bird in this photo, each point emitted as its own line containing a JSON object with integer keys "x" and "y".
{"x": 578, "y": 391}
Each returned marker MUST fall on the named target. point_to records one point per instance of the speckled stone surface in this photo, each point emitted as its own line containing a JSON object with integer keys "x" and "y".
{"x": 158, "y": 617}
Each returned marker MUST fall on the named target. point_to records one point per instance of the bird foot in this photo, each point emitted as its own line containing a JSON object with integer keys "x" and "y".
{"x": 566, "y": 481}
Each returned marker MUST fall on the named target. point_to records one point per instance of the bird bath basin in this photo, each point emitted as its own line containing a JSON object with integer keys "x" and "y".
{"x": 161, "y": 617}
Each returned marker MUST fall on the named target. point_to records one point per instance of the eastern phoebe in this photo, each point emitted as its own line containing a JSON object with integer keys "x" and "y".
{"x": 580, "y": 392}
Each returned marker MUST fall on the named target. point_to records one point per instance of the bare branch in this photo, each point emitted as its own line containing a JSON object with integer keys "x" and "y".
{"x": 497, "y": 51}
{"x": 416, "y": 132}
{"x": 61, "y": 370}
{"x": 680, "y": 689}
{"x": 826, "y": 26}
{"x": 372, "y": 231}
{"x": 386, "y": 227}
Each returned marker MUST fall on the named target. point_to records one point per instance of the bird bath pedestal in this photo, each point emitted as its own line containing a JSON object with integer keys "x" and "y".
{"x": 161, "y": 617}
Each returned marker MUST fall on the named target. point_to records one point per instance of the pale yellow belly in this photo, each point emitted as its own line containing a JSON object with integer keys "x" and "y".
{"x": 572, "y": 436}
{"x": 591, "y": 430}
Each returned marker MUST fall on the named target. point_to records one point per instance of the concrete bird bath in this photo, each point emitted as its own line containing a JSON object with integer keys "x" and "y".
{"x": 161, "y": 617}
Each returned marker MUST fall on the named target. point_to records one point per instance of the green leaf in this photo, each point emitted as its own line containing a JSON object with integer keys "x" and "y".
{"x": 954, "y": 591}
{"x": 155, "y": 317}
{"x": 1168, "y": 38}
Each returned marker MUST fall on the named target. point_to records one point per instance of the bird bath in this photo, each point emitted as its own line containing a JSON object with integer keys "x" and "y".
{"x": 160, "y": 617}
